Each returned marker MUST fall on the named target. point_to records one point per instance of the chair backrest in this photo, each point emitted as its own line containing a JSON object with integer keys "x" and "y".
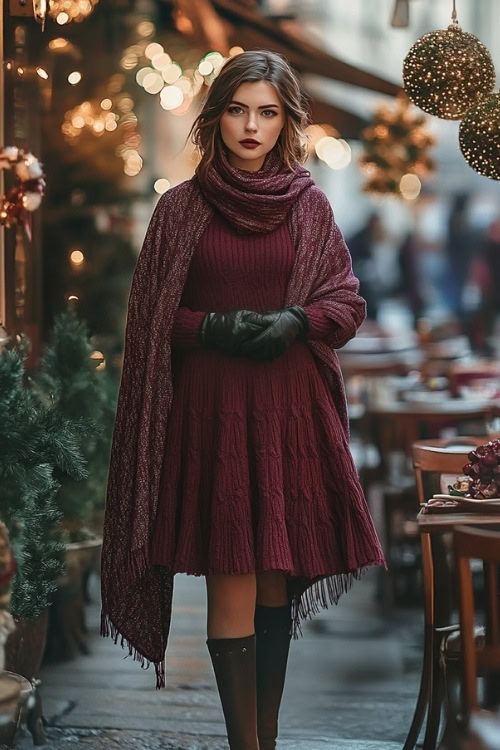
{"x": 446, "y": 456}
{"x": 475, "y": 544}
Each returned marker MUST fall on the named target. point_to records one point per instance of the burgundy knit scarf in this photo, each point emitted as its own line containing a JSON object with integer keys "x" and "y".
{"x": 254, "y": 201}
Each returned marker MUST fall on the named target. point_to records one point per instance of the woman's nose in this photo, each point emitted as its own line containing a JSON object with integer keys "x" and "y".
{"x": 251, "y": 124}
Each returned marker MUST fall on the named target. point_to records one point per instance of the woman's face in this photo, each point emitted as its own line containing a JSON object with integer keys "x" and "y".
{"x": 255, "y": 113}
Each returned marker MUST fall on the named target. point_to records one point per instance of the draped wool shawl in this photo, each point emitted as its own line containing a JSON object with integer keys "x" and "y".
{"x": 137, "y": 596}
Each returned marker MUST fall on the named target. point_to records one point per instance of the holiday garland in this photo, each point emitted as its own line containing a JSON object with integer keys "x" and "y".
{"x": 26, "y": 195}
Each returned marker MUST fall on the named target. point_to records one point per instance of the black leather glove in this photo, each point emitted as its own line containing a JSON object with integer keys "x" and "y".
{"x": 230, "y": 331}
{"x": 283, "y": 328}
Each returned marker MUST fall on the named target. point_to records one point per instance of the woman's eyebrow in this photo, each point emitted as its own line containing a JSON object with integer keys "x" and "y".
{"x": 264, "y": 106}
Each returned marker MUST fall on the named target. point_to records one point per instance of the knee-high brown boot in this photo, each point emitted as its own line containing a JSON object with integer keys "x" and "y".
{"x": 272, "y": 629}
{"x": 233, "y": 661}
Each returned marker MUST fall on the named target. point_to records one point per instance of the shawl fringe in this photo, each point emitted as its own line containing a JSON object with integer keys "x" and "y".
{"x": 108, "y": 630}
{"x": 319, "y": 595}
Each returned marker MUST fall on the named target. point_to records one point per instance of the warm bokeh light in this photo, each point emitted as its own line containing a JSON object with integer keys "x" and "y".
{"x": 344, "y": 160}
{"x": 58, "y": 43}
{"x": 106, "y": 104}
{"x": 216, "y": 58}
{"x": 141, "y": 75}
{"x": 73, "y": 298}
{"x": 61, "y": 19}
{"x": 99, "y": 355}
{"x": 145, "y": 28}
{"x": 133, "y": 163}
{"x": 328, "y": 148}
{"x": 410, "y": 186}
{"x": 129, "y": 61}
{"x": 171, "y": 73}
{"x": 77, "y": 257}
{"x": 153, "y": 83}
{"x": 153, "y": 49}
{"x": 171, "y": 97}
{"x": 235, "y": 51}
{"x": 314, "y": 133}
{"x": 184, "y": 84}
{"x": 184, "y": 107}
{"x": 125, "y": 104}
{"x": 75, "y": 77}
{"x": 205, "y": 67}
{"x": 161, "y": 185}
{"x": 42, "y": 73}
{"x": 161, "y": 61}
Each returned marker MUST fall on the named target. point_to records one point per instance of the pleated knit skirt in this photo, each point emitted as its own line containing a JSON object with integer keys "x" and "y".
{"x": 257, "y": 471}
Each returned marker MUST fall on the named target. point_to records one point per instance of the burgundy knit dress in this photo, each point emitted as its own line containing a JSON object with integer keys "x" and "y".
{"x": 256, "y": 460}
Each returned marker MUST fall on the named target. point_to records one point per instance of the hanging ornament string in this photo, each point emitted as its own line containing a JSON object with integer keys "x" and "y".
{"x": 454, "y": 15}
{"x": 25, "y": 196}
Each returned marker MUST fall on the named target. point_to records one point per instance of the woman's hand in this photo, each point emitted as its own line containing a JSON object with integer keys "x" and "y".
{"x": 282, "y": 328}
{"x": 230, "y": 331}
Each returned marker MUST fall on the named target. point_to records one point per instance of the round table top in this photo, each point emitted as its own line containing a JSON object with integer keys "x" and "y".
{"x": 446, "y": 407}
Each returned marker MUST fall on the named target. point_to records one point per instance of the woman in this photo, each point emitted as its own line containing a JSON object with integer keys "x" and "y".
{"x": 230, "y": 454}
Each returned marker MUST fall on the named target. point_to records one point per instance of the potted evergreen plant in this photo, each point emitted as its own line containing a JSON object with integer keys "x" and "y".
{"x": 74, "y": 379}
{"x": 35, "y": 443}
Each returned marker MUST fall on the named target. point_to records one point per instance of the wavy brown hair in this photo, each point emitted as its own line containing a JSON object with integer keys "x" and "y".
{"x": 251, "y": 66}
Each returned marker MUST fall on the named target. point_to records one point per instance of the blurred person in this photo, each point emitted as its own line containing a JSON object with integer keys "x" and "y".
{"x": 482, "y": 297}
{"x": 237, "y": 466}
{"x": 411, "y": 282}
{"x": 460, "y": 247}
{"x": 361, "y": 246}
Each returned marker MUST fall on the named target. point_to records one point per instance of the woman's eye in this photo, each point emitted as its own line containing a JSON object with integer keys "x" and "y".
{"x": 235, "y": 110}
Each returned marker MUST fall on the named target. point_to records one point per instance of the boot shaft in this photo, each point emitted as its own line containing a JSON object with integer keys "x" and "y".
{"x": 233, "y": 661}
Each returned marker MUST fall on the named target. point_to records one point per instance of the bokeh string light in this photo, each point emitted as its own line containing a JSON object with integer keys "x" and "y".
{"x": 65, "y": 11}
{"x": 158, "y": 74}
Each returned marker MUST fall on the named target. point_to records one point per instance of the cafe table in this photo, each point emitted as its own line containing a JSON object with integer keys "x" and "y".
{"x": 396, "y": 425}
{"x": 437, "y": 613}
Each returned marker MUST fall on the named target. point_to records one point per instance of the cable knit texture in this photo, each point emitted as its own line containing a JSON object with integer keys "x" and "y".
{"x": 258, "y": 451}
{"x": 256, "y": 458}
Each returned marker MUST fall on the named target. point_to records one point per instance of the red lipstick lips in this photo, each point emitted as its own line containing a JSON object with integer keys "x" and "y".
{"x": 250, "y": 143}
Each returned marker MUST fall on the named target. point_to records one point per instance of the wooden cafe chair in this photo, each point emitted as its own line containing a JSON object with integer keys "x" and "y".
{"x": 394, "y": 427}
{"x": 478, "y": 657}
{"x": 432, "y": 459}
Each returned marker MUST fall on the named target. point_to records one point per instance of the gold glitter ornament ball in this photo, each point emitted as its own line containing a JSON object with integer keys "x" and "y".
{"x": 446, "y": 71}
{"x": 479, "y": 137}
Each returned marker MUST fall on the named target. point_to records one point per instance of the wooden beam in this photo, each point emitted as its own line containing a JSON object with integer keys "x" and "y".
{"x": 348, "y": 124}
{"x": 253, "y": 30}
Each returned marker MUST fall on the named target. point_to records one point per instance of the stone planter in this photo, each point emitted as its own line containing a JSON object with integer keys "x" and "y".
{"x": 67, "y": 629}
{"x": 25, "y": 646}
{"x": 23, "y": 656}
{"x": 15, "y": 690}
